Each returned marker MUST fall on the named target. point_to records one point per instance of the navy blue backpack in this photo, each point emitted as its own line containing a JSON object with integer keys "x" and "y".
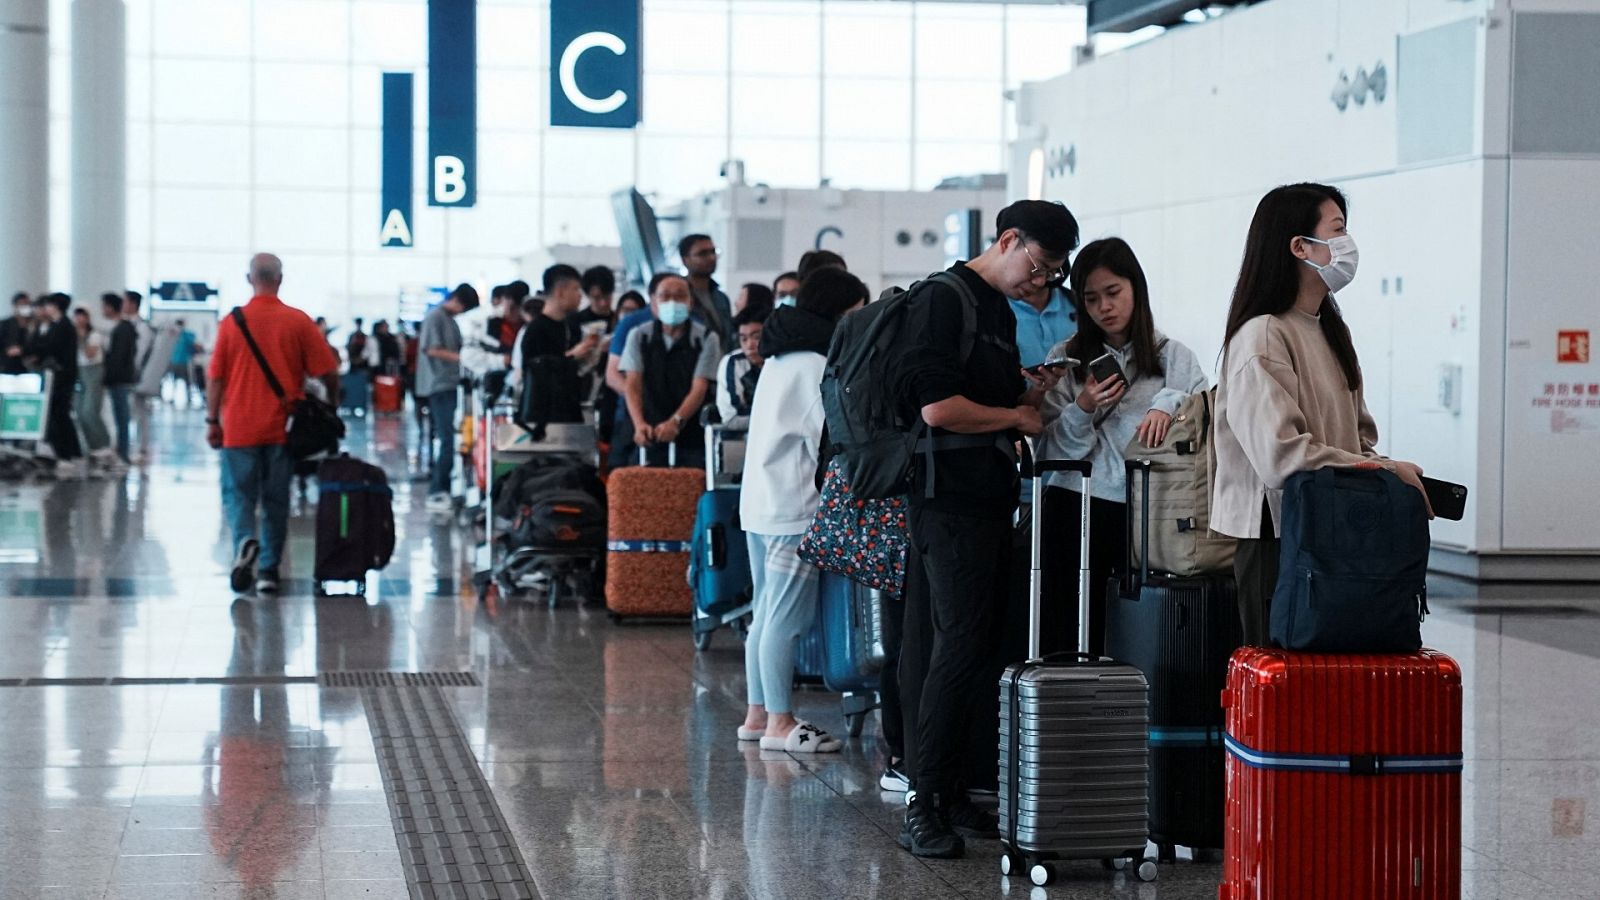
{"x": 1352, "y": 577}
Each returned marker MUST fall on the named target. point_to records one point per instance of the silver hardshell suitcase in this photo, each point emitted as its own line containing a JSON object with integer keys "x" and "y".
{"x": 1074, "y": 740}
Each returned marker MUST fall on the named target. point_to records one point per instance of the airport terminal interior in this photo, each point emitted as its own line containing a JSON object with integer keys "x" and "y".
{"x": 502, "y": 660}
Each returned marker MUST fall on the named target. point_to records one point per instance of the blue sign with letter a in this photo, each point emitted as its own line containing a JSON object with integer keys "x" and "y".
{"x": 595, "y": 63}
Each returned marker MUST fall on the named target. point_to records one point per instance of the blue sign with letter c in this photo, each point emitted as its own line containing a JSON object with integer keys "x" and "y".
{"x": 595, "y": 63}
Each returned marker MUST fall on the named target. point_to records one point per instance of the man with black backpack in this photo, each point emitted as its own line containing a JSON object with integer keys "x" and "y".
{"x": 956, "y": 377}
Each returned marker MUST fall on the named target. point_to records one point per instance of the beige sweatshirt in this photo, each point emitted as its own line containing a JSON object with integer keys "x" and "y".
{"x": 1283, "y": 406}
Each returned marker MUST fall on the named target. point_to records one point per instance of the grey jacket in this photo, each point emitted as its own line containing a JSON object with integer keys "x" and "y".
{"x": 1071, "y": 433}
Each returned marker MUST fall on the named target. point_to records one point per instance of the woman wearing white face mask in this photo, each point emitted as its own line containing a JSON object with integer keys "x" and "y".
{"x": 1290, "y": 395}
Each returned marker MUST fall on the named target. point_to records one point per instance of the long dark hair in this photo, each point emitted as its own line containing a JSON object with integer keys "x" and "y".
{"x": 1115, "y": 256}
{"x": 1269, "y": 276}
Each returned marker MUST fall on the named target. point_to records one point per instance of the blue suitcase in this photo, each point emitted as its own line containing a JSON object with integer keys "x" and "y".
{"x": 820, "y": 655}
{"x": 719, "y": 556}
{"x": 353, "y": 389}
{"x": 852, "y": 634}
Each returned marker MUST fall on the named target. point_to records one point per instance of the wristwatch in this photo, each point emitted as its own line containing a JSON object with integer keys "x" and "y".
{"x": 678, "y": 419}
{"x": 211, "y": 421}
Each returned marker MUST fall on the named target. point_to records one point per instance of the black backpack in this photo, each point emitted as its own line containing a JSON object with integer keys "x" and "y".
{"x": 875, "y": 441}
{"x": 1353, "y": 573}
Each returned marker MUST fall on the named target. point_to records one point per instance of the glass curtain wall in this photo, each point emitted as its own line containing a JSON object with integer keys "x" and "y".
{"x": 255, "y": 124}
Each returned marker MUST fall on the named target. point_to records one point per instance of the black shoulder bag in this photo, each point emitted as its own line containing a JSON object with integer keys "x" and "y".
{"x": 314, "y": 426}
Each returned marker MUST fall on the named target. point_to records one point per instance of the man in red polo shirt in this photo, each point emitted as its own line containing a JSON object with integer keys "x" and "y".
{"x": 247, "y": 421}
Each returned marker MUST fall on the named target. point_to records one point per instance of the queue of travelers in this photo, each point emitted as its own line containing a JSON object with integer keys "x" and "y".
{"x": 1013, "y": 344}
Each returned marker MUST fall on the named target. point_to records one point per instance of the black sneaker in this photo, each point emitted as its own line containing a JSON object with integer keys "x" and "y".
{"x": 894, "y": 777}
{"x": 926, "y": 833}
{"x": 972, "y": 821}
{"x": 267, "y": 581}
{"x": 244, "y": 565}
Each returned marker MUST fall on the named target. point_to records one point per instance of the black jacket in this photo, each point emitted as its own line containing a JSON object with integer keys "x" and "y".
{"x": 121, "y": 366}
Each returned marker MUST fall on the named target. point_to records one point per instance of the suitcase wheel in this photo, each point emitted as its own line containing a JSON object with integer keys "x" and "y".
{"x": 1114, "y": 865}
{"x": 854, "y": 722}
{"x": 1042, "y": 874}
{"x": 1147, "y": 870}
{"x": 1012, "y": 863}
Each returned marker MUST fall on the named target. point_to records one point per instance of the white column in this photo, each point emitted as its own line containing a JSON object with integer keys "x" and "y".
{"x": 99, "y": 149}
{"x": 25, "y": 146}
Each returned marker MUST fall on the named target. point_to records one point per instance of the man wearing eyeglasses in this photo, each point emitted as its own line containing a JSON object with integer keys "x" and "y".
{"x": 699, "y": 255}
{"x": 976, "y": 402}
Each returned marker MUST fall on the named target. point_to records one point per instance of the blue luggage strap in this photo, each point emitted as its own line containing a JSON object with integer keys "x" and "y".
{"x": 1347, "y": 764}
{"x": 1196, "y": 736}
{"x": 649, "y": 546}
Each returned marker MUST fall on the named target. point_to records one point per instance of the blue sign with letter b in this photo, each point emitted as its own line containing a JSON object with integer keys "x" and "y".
{"x": 595, "y": 63}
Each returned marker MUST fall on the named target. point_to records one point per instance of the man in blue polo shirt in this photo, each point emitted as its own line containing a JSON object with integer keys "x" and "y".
{"x": 1044, "y": 319}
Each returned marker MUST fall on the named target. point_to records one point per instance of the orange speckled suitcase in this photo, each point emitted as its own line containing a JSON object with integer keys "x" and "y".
{"x": 649, "y": 531}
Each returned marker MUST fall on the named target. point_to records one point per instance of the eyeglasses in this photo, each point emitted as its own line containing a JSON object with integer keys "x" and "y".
{"x": 1053, "y": 278}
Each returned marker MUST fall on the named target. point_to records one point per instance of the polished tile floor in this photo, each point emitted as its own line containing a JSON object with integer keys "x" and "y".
{"x": 609, "y": 749}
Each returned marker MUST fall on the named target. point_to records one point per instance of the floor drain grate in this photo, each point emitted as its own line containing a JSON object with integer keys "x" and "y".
{"x": 374, "y": 679}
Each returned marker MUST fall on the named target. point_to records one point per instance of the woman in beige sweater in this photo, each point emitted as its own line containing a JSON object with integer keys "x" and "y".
{"x": 1290, "y": 395}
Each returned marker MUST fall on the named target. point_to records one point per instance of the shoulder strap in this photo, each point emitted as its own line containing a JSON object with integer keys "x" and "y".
{"x": 727, "y": 373}
{"x": 272, "y": 380}
{"x": 969, "y": 310}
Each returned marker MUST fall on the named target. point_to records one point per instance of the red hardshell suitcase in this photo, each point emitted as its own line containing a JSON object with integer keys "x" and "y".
{"x": 1343, "y": 776}
{"x": 387, "y": 394}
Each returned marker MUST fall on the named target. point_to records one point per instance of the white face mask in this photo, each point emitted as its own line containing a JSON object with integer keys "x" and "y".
{"x": 1341, "y": 268}
{"x": 672, "y": 313}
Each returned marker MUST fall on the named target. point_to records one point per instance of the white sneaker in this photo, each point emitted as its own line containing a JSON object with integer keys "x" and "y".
{"x": 440, "y": 503}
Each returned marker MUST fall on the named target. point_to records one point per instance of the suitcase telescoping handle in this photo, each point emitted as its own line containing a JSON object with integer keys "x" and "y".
{"x": 672, "y": 455}
{"x": 1139, "y": 468}
{"x": 1037, "y": 469}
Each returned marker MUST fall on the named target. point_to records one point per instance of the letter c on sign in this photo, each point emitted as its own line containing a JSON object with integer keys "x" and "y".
{"x": 580, "y": 45}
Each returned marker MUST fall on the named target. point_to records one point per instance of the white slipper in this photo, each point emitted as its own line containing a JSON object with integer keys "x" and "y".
{"x": 751, "y": 734}
{"x": 805, "y": 738}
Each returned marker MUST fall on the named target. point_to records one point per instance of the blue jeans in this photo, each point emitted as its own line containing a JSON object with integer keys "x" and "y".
{"x": 442, "y": 416}
{"x": 122, "y": 412}
{"x": 785, "y": 599}
{"x": 255, "y": 477}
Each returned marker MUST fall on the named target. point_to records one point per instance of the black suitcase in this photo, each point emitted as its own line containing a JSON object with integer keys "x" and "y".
{"x": 355, "y": 522}
{"x": 1074, "y": 742}
{"x": 1180, "y": 632}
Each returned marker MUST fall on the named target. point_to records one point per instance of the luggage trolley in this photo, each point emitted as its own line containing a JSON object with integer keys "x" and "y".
{"x": 24, "y": 418}
{"x": 556, "y": 570}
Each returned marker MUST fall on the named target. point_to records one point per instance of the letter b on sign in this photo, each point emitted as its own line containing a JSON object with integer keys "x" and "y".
{"x": 449, "y": 180}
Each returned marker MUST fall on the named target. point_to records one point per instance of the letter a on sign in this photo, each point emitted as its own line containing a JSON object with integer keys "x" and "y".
{"x": 396, "y": 233}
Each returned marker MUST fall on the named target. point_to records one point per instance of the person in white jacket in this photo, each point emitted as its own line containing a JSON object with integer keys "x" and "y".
{"x": 779, "y": 495}
{"x": 1089, "y": 419}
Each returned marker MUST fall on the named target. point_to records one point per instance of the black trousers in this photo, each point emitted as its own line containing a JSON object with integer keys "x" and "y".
{"x": 60, "y": 429}
{"x": 891, "y": 709}
{"x": 1108, "y": 555}
{"x": 956, "y": 586}
{"x": 1255, "y": 568}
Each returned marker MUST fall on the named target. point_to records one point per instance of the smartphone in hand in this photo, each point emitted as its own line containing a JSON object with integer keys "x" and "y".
{"x": 1449, "y": 501}
{"x": 1059, "y": 362}
{"x": 1106, "y": 368}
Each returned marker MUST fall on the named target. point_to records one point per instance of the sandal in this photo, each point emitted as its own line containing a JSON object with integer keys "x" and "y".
{"x": 805, "y": 738}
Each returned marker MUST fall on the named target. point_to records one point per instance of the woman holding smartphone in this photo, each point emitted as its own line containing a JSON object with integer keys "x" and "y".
{"x": 1290, "y": 395}
{"x": 1126, "y": 381}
